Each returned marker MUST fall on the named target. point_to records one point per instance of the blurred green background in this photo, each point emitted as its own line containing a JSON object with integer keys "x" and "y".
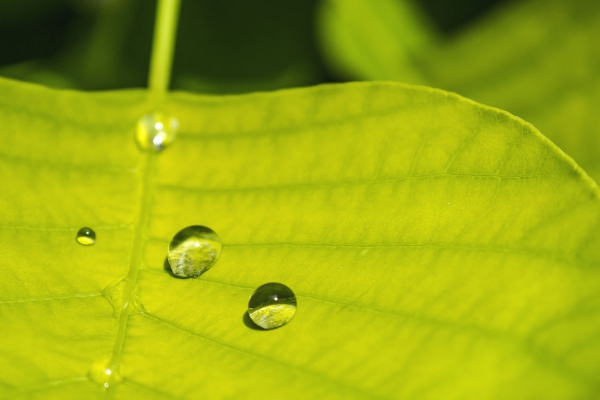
{"x": 223, "y": 46}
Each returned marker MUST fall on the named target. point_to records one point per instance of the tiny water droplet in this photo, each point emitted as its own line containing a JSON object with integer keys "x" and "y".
{"x": 104, "y": 374}
{"x": 86, "y": 236}
{"x": 114, "y": 294}
{"x": 137, "y": 307}
{"x": 155, "y": 131}
{"x": 193, "y": 250}
{"x": 272, "y": 305}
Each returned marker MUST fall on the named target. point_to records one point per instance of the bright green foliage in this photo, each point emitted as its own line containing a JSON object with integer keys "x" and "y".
{"x": 537, "y": 59}
{"x": 373, "y": 39}
{"x": 437, "y": 248}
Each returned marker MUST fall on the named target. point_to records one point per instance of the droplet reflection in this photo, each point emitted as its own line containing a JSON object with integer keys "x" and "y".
{"x": 156, "y": 131}
{"x": 104, "y": 374}
{"x": 193, "y": 250}
{"x": 272, "y": 305}
{"x": 86, "y": 236}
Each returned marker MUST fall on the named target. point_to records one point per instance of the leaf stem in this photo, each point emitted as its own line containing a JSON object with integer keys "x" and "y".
{"x": 165, "y": 28}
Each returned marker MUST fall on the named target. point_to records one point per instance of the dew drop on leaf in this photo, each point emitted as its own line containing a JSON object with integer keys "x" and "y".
{"x": 155, "y": 131}
{"x": 86, "y": 236}
{"x": 193, "y": 250}
{"x": 104, "y": 374}
{"x": 272, "y": 305}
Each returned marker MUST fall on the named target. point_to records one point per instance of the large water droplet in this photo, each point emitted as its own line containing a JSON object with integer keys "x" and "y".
{"x": 272, "y": 305}
{"x": 104, "y": 374}
{"x": 86, "y": 236}
{"x": 156, "y": 131}
{"x": 193, "y": 250}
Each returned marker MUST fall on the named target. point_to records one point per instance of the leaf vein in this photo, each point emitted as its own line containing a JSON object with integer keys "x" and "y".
{"x": 257, "y": 356}
{"x": 358, "y": 182}
{"x": 50, "y": 298}
{"x": 544, "y": 254}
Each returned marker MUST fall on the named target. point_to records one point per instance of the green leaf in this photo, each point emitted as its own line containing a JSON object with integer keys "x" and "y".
{"x": 544, "y": 66}
{"x": 537, "y": 59}
{"x": 37, "y": 72}
{"x": 438, "y": 248}
{"x": 373, "y": 39}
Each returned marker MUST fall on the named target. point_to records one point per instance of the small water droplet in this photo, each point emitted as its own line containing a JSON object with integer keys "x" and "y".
{"x": 155, "y": 131}
{"x": 193, "y": 250}
{"x": 272, "y": 305}
{"x": 86, "y": 236}
{"x": 104, "y": 374}
{"x": 137, "y": 307}
{"x": 114, "y": 294}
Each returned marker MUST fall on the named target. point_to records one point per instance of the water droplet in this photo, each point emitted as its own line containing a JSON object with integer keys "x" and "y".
{"x": 114, "y": 294}
{"x": 104, "y": 373}
{"x": 136, "y": 306}
{"x": 193, "y": 250}
{"x": 272, "y": 305}
{"x": 86, "y": 236}
{"x": 155, "y": 131}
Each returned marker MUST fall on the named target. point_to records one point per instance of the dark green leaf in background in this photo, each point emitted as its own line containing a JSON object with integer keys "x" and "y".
{"x": 223, "y": 46}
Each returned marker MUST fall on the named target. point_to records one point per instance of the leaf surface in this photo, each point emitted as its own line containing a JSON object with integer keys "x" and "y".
{"x": 537, "y": 59}
{"x": 376, "y": 40}
{"x": 438, "y": 248}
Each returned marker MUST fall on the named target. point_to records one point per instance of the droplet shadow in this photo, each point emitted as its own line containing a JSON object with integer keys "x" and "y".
{"x": 167, "y": 268}
{"x": 250, "y": 324}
